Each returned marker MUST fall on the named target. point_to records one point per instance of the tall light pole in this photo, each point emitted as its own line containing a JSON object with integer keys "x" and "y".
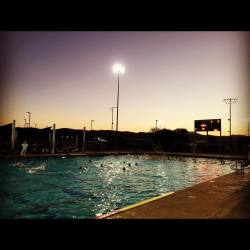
{"x": 118, "y": 69}
{"x": 25, "y": 123}
{"x": 91, "y": 124}
{"x": 156, "y": 125}
{"x": 29, "y": 117}
{"x": 112, "y": 109}
{"x": 230, "y": 101}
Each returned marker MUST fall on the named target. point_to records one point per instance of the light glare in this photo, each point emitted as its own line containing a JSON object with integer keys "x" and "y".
{"x": 118, "y": 68}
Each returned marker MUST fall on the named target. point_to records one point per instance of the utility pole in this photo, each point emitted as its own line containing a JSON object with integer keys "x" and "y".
{"x": 53, "y": 139}
{"x": 156, "y": 125}
{"x": 29, "y": 117}
{"x": 84, "y": 139}
{"x": 13, "y": 134}
{"x": 91, "y": 124}
{"x": 230, "y": 101}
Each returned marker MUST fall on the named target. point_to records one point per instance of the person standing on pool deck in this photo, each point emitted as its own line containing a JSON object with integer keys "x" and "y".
{"x": 24, "y": 148}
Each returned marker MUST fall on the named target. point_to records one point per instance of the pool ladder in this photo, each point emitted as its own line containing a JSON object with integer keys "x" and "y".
{"x": 239, "y": 165}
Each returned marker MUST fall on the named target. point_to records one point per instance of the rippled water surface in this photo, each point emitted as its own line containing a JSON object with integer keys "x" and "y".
{"x": 81, "y": 187}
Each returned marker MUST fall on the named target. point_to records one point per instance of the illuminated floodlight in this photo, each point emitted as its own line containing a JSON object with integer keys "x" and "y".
{"x": 118, "y": 69}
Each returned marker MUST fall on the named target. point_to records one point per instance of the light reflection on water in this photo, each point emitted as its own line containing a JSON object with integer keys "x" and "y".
{"x": 81, "y": 187}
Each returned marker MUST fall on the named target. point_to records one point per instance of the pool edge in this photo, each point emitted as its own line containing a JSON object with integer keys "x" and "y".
{"x": 104, "y": 216}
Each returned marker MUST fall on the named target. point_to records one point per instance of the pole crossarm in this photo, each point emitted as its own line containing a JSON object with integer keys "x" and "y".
{"x": 230, "y": 101}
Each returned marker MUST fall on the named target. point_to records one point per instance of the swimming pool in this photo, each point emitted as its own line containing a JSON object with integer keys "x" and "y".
{"x": 81, "y": 187}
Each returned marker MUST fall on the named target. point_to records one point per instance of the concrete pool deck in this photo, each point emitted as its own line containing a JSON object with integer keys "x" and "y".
{"x": 226, "y": 197}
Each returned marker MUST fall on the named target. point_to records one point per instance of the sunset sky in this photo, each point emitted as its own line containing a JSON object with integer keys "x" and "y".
{"x": 175, "y": 77}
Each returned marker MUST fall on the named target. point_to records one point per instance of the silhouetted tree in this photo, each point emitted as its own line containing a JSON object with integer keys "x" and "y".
{"x": 153, "y": 130}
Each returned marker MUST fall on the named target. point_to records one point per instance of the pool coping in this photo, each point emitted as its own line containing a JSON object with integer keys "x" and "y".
{"x": 104, "y": 216}
{"x": 233, "y": 207}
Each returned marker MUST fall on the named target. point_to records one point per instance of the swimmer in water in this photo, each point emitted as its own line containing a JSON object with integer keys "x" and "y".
{"x": 82, "y": 167}
{"x": 123, "y": 168}
{"x": 136, "y": 164}
{"x": 18, "y": 164}
{"x": 43, "y": 165}
{"x": 129, "y": 165}
{"x": 31, "y": 171}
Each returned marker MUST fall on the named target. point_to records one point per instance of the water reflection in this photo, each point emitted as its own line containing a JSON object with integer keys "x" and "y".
{"x": 207, "y": 170}
{"x": 98, "y": 184}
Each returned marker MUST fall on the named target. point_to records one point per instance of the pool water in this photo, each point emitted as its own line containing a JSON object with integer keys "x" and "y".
{"x": 81, "y": 187}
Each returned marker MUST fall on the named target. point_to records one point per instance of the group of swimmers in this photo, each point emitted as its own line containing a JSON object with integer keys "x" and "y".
{"x": 124, "y": 168}
{"x": 129, "y": 165}
{"x": 33, "y": 169}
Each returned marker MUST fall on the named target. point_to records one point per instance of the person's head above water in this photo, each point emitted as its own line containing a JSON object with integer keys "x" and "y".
{"x": 18, "y": 164}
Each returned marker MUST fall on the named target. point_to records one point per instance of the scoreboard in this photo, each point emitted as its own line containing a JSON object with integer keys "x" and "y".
{"x": 207, "y": 125}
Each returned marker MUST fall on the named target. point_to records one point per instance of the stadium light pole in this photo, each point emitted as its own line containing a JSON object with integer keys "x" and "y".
{"x": 118, "y": 69}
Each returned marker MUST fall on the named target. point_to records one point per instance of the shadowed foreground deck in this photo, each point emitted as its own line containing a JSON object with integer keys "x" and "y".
{"x": 227, "y": 196}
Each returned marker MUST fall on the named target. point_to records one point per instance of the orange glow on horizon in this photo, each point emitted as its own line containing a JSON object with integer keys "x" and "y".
{"x": 173, "y": 77}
